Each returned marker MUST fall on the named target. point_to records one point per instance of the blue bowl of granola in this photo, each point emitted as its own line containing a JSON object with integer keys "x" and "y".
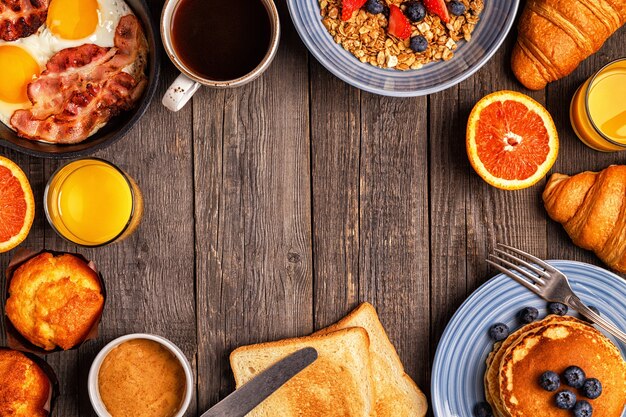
{"x": 402, "y": 51}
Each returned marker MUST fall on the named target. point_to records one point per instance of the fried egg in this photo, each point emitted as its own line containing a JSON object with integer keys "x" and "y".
{"x": 70, "y": 23}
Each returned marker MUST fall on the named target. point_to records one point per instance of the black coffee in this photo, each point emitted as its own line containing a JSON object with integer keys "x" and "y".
{"x": 221, "y": 40}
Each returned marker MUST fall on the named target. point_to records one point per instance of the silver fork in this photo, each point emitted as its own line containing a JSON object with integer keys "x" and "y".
{"x": 547, "y": 282}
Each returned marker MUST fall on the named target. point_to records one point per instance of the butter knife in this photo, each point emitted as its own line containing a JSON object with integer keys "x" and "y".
{"x": 253, "y": 393}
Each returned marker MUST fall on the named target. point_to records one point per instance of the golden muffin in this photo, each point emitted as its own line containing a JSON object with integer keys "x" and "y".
{"x": 54, "y": 300}
{"x": 24, "y": 387}
{"x": 555, "y": 345}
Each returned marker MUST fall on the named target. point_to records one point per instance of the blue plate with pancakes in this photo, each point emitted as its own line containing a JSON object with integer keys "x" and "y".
{"x": 460, "y": 362}
{"x": 495, "y": 23}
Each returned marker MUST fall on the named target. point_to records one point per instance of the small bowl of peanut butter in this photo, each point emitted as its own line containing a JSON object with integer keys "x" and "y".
{"x": 140, "y": 375}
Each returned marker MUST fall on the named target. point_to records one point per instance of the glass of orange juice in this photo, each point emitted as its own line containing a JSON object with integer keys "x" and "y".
{"x": 91, "y": 202}
{"x": 598, "y": 109}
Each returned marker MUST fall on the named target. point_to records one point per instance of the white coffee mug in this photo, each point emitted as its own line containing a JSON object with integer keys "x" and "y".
{"x": 187, "y": 83}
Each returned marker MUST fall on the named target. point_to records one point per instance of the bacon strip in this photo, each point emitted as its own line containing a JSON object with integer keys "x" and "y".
{"x": 21, "y": 18}
{"x": 82, "y": 88}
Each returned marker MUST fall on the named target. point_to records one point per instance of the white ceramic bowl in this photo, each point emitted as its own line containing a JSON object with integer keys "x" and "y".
{"x": 92, "y": 381}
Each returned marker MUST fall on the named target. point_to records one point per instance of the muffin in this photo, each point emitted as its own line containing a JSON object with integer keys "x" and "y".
{"x": 24, "y": 387}
{"x": 54, "y": 300}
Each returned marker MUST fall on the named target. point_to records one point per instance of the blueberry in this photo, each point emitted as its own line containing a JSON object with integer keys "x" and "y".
{"x": 499, "y": 331}
{"x": 457, "y": 8}
{"x": 592, "y": 388}
{"x": 374, "y": 6}
{"x": 557, "y": 308}
{"x": 419, "y": 43}
{"x": 574, "y": 377}
{"x": 583, "y": 409}
{"x": 550, "y": 381}
{"x": 528, "y": 314}
{"x": 415, "y": 11}
{"x": 483, "y": 410}
{"x": 565, "y": 400}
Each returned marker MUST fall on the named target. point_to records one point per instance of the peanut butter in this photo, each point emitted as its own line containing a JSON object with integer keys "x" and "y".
{"x": 141, "y": 378}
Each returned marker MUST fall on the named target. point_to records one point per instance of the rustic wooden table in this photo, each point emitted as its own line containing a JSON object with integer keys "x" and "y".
{"x": 273, "y": 209}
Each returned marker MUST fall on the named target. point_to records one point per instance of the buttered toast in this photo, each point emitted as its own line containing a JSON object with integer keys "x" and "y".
{"x": 396, "y": 395}
{"x": 338, "y": 383}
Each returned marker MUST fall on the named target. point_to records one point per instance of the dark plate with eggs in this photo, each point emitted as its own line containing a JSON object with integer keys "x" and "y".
{"x": 117, "y": 127}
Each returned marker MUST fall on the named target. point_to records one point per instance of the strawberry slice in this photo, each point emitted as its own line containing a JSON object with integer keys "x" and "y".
{"x": 439, "y": 8}
{"x": 348, "y": 7}
{"x": 399, "y": 25}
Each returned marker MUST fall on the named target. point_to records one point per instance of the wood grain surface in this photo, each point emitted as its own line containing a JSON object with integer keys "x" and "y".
{"x": 275, "y": 208}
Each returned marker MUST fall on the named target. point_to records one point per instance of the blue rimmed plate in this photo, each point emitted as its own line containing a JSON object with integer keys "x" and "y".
{"x": 459, "y": 367}
{"x": 496, "y": 21}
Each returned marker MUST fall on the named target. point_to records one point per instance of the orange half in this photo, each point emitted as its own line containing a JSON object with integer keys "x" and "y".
{"x": 511, "y": 140}
{"x": 17, "y": 205}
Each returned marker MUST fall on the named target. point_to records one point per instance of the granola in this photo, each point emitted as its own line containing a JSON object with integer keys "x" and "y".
{"x": 366, "y": 37}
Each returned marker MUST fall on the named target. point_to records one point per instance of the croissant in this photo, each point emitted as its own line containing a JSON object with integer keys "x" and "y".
{"x": 592, "y": 208}
{"x": 557, "y": 35}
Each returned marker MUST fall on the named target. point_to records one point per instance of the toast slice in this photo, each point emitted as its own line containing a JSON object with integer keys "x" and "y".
{"x": 396, "y": 395}
{"x": 338, "y": 383}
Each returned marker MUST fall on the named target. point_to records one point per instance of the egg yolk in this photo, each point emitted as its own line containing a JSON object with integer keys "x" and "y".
{"x": 73, "y": 19}
{"x": 17, "y": 70}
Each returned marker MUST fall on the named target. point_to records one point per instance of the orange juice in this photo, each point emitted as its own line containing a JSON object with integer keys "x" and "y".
{"x": 91, "y": 202}
{"x": 598, "y": 109}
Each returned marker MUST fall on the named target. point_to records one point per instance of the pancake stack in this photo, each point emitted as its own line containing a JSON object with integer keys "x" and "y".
{"x": 515, "y": 365}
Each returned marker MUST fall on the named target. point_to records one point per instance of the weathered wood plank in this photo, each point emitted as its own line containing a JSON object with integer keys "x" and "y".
{"x": 212, "y": 367}
{"x": 493, "y": 215}
{"x": 394, "y": 235}
{"x": 253, "y": 229}
{"x": 574, "y": 156}
{"x": 449, "y": 180}
{"x": 335, "y": 148}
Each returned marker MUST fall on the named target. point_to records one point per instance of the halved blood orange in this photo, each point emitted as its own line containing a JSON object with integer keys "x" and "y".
{"x": 17, "y": 206}
{"x": 511, "y": 140}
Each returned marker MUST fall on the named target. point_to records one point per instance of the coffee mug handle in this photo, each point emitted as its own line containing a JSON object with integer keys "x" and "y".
{"x": 180, "y": 92}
